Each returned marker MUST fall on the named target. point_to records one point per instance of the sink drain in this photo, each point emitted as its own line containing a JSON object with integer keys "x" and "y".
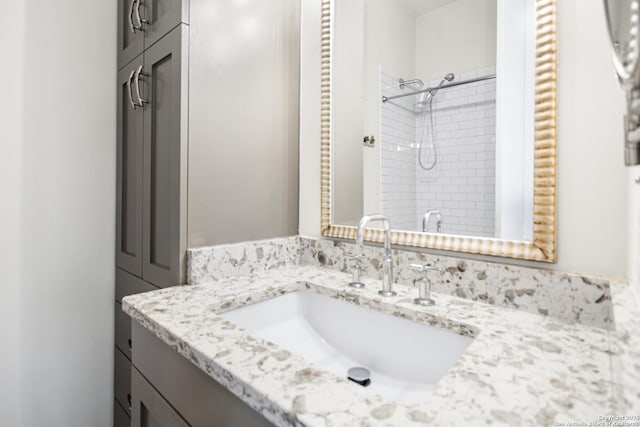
{"x": 360, "y": 375}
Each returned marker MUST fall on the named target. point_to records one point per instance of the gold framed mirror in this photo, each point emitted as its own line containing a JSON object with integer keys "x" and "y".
{"x": 541, "y": 246}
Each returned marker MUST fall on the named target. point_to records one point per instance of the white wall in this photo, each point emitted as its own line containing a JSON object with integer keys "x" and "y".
{"x": 11, "y": 44}
{"x": 462, "y": 26}
{"x": 515, "y": 106}
{"x": 348, "y": 115}
{"x": 310, "y": 118}
{"x": 592, "y": 189}
{"x": 61, "y": 193}
{"x": 634, "y": 229}
{"x": 390, "y": 46}
{"x": 592, "y": 179}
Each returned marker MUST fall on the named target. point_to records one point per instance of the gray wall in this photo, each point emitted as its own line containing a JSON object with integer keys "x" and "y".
{"x": 243, "y": 120}
{"x": 57, "y": 188}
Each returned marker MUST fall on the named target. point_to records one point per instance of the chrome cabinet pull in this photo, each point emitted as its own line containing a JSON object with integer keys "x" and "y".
{"x": 131, "y": 9}
{"x": 133, "y": 103}
{"x": 136, "y": 80}
{"x": 135, "y": 7}
{"x": 141, "y": 20}
{"x": 133, "y": 29}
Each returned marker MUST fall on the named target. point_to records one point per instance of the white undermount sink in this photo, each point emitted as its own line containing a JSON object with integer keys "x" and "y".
{"x": 405, "y": 358}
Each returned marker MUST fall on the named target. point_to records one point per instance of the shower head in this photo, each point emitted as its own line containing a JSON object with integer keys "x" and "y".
{"x": 428, "y": 96}
{"x": 449, "y": 77}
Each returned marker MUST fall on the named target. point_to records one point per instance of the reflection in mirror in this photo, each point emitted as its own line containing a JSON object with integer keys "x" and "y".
{"x": 445, "y": 90}
{"x": 623, "y": 20}
{"x": 622, "y": 15}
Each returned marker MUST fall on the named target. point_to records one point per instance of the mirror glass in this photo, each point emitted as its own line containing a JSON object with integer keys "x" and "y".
{"x": 433, "y": 115}
{"x": 621, "y": 16}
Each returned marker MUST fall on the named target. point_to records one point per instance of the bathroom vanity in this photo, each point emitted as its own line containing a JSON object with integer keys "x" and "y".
{"x": 515, "y": 367}
{"x": 281, "y": 331}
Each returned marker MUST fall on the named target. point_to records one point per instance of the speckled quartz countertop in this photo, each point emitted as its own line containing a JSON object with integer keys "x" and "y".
{"x": 522, "y": 368}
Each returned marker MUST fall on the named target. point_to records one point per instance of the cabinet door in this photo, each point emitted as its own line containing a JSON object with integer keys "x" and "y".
{"x": 122, "y": 380}
{"x": 123, "y": 331}
{"x": 165, "y": 157}
{"x": 162, "y": 16}
{"x": 120, "y": 417}
{"x": 130, "y": 123}
{"x": 149, "y": 409}
{"x": 130, "y": 33}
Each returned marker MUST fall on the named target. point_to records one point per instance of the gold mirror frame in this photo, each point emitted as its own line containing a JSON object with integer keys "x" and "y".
{"x": 543, "y": 246}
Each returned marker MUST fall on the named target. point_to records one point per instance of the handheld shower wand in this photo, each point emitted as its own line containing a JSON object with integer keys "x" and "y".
{"x": 427, "y": 98}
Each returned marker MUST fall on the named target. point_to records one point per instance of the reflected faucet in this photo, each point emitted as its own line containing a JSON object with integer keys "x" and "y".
{"x": 427, "y": 217}
{"x": 387, "y": 261}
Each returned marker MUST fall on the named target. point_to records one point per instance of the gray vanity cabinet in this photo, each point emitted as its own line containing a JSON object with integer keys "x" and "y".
{"x": 130, "y": 122}
{"x": 152, "y": 156}
{"x": 141, "y": 23}
{"x": 200, "y": 400}
{"x": 164, "y": 88}
{"x": 120, "y": 417}
{"x": 149, "y": 409}
{"x": 122, "y": 381}
{"x": 126, "y": 284}
{"x": 151, "y": 176}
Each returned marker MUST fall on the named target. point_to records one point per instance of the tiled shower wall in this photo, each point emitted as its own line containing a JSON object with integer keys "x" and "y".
{"x": 398, "y": 172}
{"x": 462, "y": 184}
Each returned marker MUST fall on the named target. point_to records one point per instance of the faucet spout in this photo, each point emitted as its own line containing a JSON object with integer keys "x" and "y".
{"x": 387, "y": 261}
{"x": 427, "y": 218}
{"x": 387, "y": 230}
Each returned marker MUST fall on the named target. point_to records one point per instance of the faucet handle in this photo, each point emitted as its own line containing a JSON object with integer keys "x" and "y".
{"x": 425, "y": 268}
{"x": 356, "y": 271}
{"x": 424, "y": 284}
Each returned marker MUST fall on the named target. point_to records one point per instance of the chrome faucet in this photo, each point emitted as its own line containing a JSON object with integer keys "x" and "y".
{"x": 427, "y": 217}
{"x": 387, "y": 261}
{"x": 424, "y": 284}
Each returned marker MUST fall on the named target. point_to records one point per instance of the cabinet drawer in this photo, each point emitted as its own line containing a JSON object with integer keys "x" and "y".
{"x": 128, "y": 284}
{"x": 123, "y": 331}
{"x": 120, "y": 417}
{"x": 149, "y": 409}
{"x": 201, "y": 400}
{"x": 122, "y": 381}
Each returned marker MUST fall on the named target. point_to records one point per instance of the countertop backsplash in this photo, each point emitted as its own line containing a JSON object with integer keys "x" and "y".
{"x": 571, "y": 298}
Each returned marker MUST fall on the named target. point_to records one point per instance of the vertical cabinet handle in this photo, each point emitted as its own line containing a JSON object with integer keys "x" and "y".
{"x": 133, "y": 103}
{"x": 135, "y": 7}
{"x": 131, "y": 7}
{"x": 136, "y": 80}
{"x": 141, "y": 20}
